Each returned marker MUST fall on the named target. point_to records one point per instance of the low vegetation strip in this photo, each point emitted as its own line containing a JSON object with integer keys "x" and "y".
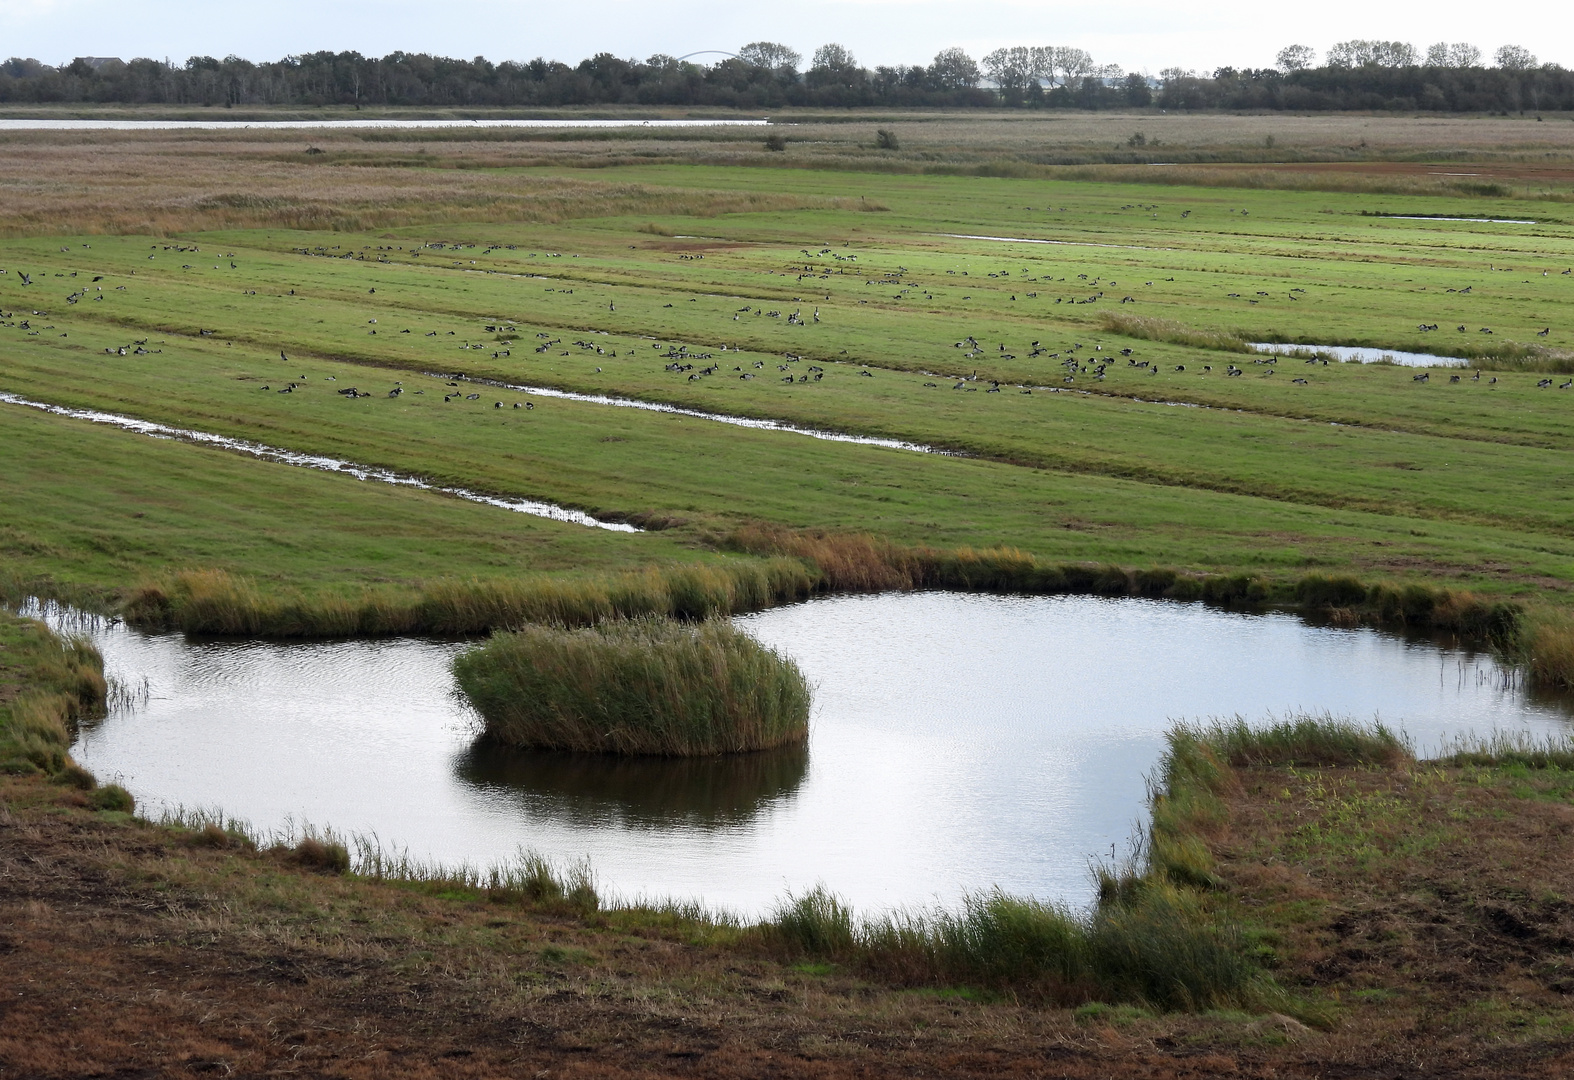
{"x": 641, "y": 686}
{"x": 48, "y": 684}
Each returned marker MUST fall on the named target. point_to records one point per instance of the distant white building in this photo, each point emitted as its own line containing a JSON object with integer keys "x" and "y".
{"x": 96, "y": 62}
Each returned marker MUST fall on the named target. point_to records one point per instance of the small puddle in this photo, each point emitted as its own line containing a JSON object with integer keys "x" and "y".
{"x": 1357, "y": 354}
{"x": 1472, "y": 220}
{"x": 957, "y": 742}
{"x": 315, "y": 461}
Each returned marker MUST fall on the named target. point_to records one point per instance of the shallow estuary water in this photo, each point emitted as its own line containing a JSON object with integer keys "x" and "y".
{"x": 958, "y": 742}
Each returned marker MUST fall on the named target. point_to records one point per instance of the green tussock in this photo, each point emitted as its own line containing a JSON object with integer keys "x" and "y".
{"x": 59, "y": 682}
{"x": 642, "y": 686}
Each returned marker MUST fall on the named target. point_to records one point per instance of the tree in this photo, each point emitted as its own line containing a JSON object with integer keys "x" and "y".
{"x": 1070, "y": 64}
{"x": 1462, "y": 54}
{"x": 1362, "y": 53}
{"x": 833, "y": 65}
{"x": 953, "y": 69}
{"x": 1296, "y": 58}
{"x": 1458, "y": 55}
{"x": 1137, "y": 92}
{"x": 771, "y": 55}
{"x": 834, "y": 57}
{"x": 1010, "y": 69}
{"x": 1514, "y": 58}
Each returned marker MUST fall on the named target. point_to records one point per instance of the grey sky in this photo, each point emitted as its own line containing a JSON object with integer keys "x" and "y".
{"x": 1137, "y": 34}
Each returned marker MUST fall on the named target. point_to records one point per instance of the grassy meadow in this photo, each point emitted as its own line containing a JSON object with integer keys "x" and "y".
{"x": 986, "y": 317}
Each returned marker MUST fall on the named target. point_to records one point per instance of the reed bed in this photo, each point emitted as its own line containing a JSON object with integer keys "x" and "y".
{"x": 218, "y": 602}
{"x": 639, "y": 686}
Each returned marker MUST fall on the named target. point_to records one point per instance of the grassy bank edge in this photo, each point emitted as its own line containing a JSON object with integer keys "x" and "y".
{"x": 765, "y": 566}
{"x": 48, "y": 684}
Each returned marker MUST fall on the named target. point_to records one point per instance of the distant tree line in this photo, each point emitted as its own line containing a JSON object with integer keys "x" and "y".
{"x": 766, "y": 75}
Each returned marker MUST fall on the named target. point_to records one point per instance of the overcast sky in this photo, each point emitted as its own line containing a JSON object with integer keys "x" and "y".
{"x": 1137, "y": 34}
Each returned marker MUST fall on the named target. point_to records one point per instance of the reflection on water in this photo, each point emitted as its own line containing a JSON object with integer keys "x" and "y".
{"x": 602, "y": 791}
{"x": 957, "y": 742}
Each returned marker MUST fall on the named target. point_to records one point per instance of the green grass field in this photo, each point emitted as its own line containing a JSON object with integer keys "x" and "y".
{"x": 865, "y": 280}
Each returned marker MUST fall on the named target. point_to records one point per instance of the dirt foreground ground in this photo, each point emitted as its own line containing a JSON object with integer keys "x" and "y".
{"x": 1419, "y": 914}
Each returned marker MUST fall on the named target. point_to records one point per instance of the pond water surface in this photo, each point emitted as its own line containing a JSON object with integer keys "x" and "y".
{"x": 1363, "y": 355}
{"x": 958, "y": 742}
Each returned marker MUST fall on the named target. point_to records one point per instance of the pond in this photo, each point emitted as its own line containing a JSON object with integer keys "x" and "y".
{"x": 958, "y": 742}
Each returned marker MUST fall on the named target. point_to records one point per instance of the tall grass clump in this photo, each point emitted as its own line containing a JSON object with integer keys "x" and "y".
{"x": 638, "y": 686}
{"x": 1546, "y": 646}
{"x": 1555, "y": 751}
{"x": 1161, "y": 946}
{"x": 61, "y": 683}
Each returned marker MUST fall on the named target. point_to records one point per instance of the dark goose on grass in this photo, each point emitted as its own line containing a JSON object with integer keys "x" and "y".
{"x": 957, "y": 742}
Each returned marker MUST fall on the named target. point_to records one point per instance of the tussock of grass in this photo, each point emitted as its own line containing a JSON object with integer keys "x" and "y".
{"x": 61, "y": 682}
{"x": 1512, "y": 748}
{"x": 1161, "y": 946}
{"x": 530, "y": 878}
{"x": 642, "y": 686}
{"x": 1547, "y": 648}
{"x": 1302, "y": 740}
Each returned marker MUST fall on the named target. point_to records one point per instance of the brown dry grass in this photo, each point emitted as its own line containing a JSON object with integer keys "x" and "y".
{"x": 176, "y": 181}
{"x": 168, "y": 182}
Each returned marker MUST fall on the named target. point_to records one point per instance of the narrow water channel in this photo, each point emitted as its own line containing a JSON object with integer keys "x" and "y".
{"x": 958, "y": 742}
